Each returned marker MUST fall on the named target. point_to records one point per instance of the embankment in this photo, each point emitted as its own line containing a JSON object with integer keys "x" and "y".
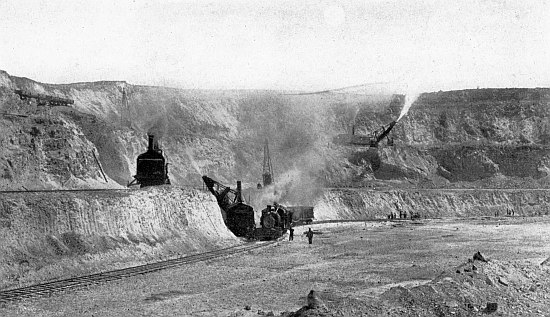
{"x": 430, "y": 203}
{"x": 51, "y": 235}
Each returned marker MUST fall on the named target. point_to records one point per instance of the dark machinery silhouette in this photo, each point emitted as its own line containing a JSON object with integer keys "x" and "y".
{"x": 372, "y": 140}
{"x": 152, "y": 169}
{"x": 379, "y": 135}
{"x": 276, "y": 219}
{"x": 238, "y": 216}
{"x": 44, "y": 100}
{"x": 274, "y": 222}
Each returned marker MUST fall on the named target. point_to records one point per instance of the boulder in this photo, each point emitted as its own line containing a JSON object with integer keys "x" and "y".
{"x": 491, "y": 307}
{"x": 313, "y": 301}
{"x": 479, "y": 257}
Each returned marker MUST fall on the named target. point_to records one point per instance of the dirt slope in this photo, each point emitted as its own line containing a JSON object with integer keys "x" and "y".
{"x": 427, "y": 203}
{"x": 52, "y": 235}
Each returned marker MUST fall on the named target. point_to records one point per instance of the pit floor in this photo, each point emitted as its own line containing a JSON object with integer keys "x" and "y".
{"x": 347, "y": 260}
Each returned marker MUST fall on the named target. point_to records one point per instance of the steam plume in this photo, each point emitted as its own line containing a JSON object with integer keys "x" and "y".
{"x": 299, "y": 185}
{"x": 410, "y": 98}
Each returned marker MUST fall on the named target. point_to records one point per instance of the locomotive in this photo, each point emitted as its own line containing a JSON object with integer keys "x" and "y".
{"x": 152, "y": 169}
{"x": 274, "y": 222}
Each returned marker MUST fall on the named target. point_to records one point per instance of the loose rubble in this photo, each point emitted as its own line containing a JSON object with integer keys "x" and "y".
{"x": 477, "y": 287}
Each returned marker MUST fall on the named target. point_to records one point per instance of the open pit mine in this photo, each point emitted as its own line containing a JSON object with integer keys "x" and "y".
{"x": 364, "y": 168}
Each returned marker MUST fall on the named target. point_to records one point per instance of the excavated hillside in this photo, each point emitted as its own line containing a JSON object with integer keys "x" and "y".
{"x": 475, "y": 138}
{"x": 491, "y": 138}
{"x": 484, "y": 138}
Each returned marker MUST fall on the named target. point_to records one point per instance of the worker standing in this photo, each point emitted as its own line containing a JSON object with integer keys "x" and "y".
{"x": 309, "y": 236}
{"x": 291, "y": 235}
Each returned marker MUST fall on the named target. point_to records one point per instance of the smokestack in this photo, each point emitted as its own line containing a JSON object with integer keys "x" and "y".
{"x": 239, "y": 194}
{"x": 151, "y": 146}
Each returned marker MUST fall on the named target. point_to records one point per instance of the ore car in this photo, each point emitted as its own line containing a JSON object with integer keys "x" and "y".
{"x": 301, "y": 214}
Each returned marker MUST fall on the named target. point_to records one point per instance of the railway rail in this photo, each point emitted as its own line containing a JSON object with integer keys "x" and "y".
{"x": 88, "y": 190}
{"x": 49, "y": 288}
{"x": 62, "y": 190}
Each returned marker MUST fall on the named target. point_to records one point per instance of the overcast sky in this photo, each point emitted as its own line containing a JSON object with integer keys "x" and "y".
{"x": 302, "y": 45}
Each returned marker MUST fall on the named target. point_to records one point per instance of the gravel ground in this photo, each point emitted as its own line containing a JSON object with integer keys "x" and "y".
{"x": 350, "y": 266}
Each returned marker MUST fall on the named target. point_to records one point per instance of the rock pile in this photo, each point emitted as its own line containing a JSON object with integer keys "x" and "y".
{"x": 476, "y": 287}
{"x": 314, "y": 307}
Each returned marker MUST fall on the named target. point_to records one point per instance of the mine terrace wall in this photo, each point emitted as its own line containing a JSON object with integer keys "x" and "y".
{"x": 50, "y": 235}
{"x": 362, "y": 204}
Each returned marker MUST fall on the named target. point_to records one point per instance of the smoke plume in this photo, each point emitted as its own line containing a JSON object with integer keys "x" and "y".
{"x": 297, "y": 186}
{"x": 157, "y": 127}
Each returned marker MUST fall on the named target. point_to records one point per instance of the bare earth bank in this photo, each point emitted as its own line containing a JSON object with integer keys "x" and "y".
{"x": 393, "y": 268}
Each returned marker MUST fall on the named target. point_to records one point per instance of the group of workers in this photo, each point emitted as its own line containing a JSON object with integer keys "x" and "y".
{"x": 509, "y": 212}
{"x": 402, "y": 214}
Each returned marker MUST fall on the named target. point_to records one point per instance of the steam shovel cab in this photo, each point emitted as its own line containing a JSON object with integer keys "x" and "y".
{"x": 238, "y": 216}
{"x": 152, "y": 169}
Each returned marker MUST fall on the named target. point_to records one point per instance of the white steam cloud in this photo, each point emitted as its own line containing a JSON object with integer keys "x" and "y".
{"x": 410, "y": 98}
{"x": 298, "y": 186}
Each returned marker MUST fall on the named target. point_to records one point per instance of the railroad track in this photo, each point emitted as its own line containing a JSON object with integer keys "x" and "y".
{"x": 78, "y": 190}
{"x": 48, "y": 288}
{"x": 63, "y": 190}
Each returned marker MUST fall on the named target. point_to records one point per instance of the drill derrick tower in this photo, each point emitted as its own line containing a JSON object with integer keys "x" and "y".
{"x": 267, "y": 174}
{"x": 125, "y": 116}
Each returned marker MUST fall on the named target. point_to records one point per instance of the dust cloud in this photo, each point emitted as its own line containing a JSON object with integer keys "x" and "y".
{"x": 295, "y": 187}
{"x": 294, "y": 129}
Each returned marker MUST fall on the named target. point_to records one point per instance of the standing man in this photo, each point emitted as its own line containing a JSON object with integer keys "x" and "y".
{"x": 309, "y": 236}
{"x": 291, "y": 235}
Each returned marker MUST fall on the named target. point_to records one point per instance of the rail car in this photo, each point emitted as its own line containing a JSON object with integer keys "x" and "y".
{"x": 151, "y": 169}
{"x": 301, "y": 214}
{"x": 43, "y": 100}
